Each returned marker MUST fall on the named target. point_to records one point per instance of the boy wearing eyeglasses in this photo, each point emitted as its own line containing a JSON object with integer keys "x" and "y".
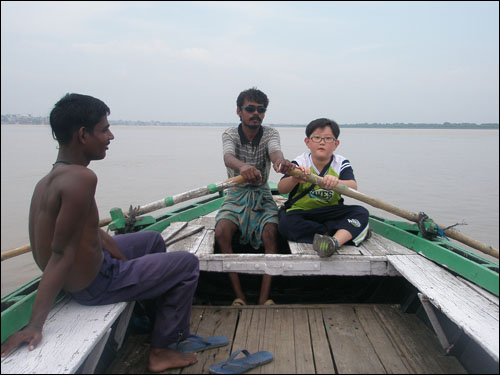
{"x": 249, "y": 150}
{"x": 318, "y": 215}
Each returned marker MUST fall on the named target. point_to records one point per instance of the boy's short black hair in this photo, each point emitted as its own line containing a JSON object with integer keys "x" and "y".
{"x": 74, "y": 111}
{"x": 321, "y": 123}
{"x": 252, "y": 95}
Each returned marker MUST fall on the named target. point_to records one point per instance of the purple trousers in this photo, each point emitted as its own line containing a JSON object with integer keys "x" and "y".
{"x": 149, "y": 273}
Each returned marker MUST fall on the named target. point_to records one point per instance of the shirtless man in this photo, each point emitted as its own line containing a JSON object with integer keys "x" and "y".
{"x": 83, "y": 260}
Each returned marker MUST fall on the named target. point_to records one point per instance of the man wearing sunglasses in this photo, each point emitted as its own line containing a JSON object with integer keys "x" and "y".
{"x": 249, "y": 150}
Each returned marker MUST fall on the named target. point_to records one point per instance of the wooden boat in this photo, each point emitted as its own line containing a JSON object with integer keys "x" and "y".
{"x": 397, "y": 303}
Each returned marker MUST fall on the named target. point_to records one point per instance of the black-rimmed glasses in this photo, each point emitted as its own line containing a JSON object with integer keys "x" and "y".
{"x": 318, "y": 139}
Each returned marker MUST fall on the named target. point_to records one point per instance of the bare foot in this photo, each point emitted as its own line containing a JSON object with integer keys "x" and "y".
{"x": 163, "y": 359}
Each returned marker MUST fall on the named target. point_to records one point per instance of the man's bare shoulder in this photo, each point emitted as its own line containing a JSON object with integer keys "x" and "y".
{"x": 74, "y": 176}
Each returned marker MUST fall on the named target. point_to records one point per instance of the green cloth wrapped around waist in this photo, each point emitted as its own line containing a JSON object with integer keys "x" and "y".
{"x": 250, "y": 209}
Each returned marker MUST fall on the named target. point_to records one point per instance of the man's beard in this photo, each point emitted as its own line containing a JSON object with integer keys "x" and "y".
{"x": 254, "y": 127}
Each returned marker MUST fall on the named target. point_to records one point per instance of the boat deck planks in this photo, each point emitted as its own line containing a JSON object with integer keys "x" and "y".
{"x": 350, "y": 338}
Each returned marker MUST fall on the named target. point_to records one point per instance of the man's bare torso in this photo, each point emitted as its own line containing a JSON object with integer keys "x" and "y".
{"x": 59, "y": 227}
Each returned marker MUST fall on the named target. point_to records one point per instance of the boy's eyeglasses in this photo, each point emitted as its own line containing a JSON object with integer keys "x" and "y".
{"x": 318, "y": 139}
{"x": 252, "y": 109}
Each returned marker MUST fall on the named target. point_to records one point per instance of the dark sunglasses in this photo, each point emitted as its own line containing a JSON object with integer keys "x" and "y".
{"x": 252, "y": 109}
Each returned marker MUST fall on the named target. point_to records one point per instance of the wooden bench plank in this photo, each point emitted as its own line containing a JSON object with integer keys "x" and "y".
{"x": 475, "y": 314}
{"x": 70, "y": 334}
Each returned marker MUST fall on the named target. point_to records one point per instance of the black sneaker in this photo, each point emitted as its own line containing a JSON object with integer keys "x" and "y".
{"x": 325, "y": 246}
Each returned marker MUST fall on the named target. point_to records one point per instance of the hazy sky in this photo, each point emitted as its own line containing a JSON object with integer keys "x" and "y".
{"x": 188, "y": 61}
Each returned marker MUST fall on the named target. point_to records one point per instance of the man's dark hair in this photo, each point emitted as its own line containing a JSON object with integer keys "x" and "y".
{"x": 252, "y": 95}
{"x": 321, "y": 123}
{"x": 74, "y": 111}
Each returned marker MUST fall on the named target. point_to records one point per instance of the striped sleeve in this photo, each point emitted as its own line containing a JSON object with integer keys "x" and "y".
{"x": 273, "y": 144}
{"x": 346, "y": 172}
{"x": 228, "y": 144}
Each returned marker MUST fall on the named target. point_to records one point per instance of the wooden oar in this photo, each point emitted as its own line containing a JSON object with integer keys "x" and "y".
{"x": 150, "y": 207}
{"x": 347, "y": 191}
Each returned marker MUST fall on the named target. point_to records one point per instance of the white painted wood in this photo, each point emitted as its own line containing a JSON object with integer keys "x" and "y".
{"x": 93, "y": 358}
{"x": 172, "y": 230}
{"x": 379, "y": 245}
{"x": 470, "y": 310}
{"x": 185, "y": 233}
{"x": 189, "y": 239}
{"x": 483, "y": 292}
{"x": 299, "y": 248}
{"x": 70, "y": 334}
{"x": 121, "y": 327}
{"x": 293, "y": 265}
{"x": 207, "y": 244}
{"x": 207, "y": 221}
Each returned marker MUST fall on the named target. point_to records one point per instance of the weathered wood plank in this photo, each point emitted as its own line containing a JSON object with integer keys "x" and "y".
{"x": 347, "y": 340}
{"x": 68, "y": 324}
{"x": 448, "y": 364}
{"x": 173, "y": 229}
{"x": 322, "y": 357}
{"x": 255, "y": 339}
{"x": 191, "y": 243}
{"x": 381, "y": 343}
{"x": 471, "y": 311}
{"x": 382, "y": 245}
{"x": 304, "y": 358}
{"x": 207, "y": 221}
{"x": 285, "y": 343}
{"x": 207, "y": 245}
{"x": 185, "y": 233}
{"x": 298, "y": 338}
{"x": 409, "y": 352}
{"x": 416, "y": 349}
{"x": 242, "y": 330}
{"x": 269, "y": 342}
{"x": 293, "y": 265}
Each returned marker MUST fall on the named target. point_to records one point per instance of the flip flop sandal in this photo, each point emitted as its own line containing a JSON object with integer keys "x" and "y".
{"x": 195, "y": 343}
{"x": 240, "y": 365}
{"x": 238, "y": 302}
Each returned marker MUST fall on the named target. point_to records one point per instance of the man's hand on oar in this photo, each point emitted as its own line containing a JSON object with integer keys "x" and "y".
{"x": 283, "y": 166}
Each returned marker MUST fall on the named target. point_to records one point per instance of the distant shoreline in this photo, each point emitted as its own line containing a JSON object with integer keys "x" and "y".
{"x": 29, "y": 120}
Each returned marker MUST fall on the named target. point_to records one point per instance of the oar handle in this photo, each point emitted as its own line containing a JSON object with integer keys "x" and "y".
{"x": 150, "y": 207}
{"x": 347, "y": 191}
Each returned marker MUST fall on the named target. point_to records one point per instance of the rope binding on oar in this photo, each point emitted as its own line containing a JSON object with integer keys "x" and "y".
{"x": 432, "y": 230}
{"x": 131, "y": 219}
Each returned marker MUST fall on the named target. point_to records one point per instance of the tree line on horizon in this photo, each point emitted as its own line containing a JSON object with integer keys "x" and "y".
{"x": 39, "y": 120}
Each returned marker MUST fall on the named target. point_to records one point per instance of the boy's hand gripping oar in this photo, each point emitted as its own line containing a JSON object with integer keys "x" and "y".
{"x": 150, "y": 207}
{"x": 347, "y": 191}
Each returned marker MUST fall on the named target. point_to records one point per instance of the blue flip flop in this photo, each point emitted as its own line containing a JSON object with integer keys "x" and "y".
{"x": 195, "y": 343}
{"x": 240, "y": 365}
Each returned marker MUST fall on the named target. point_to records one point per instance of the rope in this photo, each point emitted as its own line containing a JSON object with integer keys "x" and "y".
{"x": 435, "y": 230}
{"x": 131, "y": 219}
